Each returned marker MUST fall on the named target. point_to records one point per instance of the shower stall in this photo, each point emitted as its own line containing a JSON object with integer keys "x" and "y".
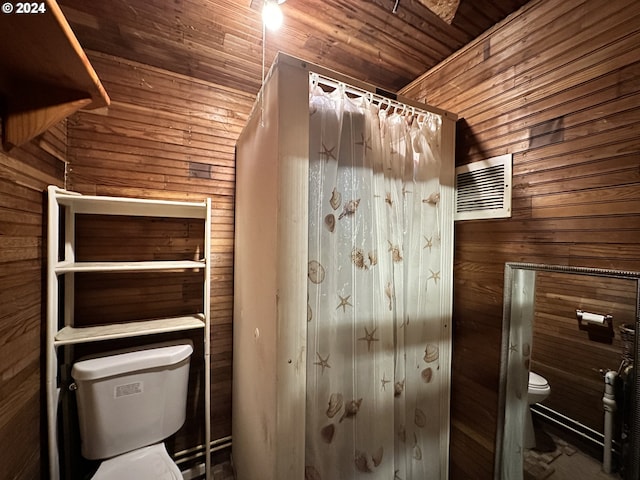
{"x": 343, "y": 282}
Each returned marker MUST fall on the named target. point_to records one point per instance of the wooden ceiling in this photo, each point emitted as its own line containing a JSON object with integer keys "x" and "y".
{"x": 220, "y": 41}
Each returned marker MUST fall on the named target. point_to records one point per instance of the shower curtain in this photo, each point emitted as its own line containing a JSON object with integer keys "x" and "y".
{"x": 375, "y": 309}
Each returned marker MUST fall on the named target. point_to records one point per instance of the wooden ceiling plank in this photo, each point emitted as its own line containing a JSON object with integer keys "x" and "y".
{"x": 368, "y": 52}
{"x": 416, "y": 14}
{"x": 397, "y": 34}
{"x": 220, "y": 41}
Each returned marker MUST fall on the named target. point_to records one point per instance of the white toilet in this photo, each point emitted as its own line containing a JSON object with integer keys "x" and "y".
{"x": 537, "y": 391}
{"x": 128, "y": 403}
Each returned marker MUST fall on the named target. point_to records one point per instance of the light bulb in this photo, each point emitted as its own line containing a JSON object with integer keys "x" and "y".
{"x": 272, "y": 15}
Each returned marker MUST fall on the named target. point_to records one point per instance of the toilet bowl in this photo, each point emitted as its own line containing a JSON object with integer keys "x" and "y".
{"x": 129, "y": 402}
{"x": 538, "y": 390}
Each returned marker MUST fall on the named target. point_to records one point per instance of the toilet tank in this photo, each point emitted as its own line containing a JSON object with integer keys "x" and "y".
{"x": 130, "y": 399}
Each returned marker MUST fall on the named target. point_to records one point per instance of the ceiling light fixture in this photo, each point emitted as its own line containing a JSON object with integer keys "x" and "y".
{"x": 272, "y": 14}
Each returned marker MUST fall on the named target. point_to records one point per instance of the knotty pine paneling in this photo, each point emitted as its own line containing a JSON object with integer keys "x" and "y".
{"x": 25, "y": 173}
{"x": 558, "y": 86}
{"x": 164, "y": 136}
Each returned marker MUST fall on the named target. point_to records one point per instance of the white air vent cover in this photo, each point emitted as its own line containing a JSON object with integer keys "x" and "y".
{"x": 483, "y": 189}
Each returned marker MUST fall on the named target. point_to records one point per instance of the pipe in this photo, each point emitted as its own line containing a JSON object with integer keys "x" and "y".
{"x": 199, "y": 470}
{"x": 609, "y": 403}
{"x": 199, "y": 451}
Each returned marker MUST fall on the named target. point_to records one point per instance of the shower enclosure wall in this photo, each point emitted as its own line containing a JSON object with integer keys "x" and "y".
{"x": 343, "y": 282}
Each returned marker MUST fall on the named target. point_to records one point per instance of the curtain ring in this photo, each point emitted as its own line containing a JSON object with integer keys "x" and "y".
{"x": 367, "y": 98}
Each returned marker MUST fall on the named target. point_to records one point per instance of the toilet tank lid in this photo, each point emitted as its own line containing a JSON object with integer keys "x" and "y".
{"x": 126, "y": 361}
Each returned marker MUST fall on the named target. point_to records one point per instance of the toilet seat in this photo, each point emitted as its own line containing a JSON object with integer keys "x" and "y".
{"x": 147, "y": 463}
{"x": 537, "y": 383}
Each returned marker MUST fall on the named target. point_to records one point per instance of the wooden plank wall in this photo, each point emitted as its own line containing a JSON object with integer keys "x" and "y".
{"x": 168, "y": 136}
{"x": 558, "y": 86}
{"x": 137, "y": 295}
{"x": 25, "y": 173}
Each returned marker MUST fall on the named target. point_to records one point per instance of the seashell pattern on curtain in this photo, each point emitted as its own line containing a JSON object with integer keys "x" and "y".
{"x": 374, "y": 398}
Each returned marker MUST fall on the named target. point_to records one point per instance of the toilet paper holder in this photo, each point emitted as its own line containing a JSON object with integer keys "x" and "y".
{"x": 599, "y": 327}
{"x": 594, "y": 318}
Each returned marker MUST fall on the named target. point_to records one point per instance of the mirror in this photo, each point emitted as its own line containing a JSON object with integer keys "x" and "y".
{"x": 574, "y": 328}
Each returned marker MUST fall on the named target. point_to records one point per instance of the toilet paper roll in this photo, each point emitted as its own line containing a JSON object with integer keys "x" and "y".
{"x": 593, "y": 318}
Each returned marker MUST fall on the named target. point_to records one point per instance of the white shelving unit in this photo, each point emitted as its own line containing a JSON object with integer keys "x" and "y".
{"x": 60, "y": 322}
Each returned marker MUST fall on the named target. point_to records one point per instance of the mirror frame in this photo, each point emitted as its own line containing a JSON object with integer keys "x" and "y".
{"x": 525, "y": 274}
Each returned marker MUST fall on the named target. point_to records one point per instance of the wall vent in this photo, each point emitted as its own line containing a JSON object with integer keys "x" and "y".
{"x": 483, "y": 189}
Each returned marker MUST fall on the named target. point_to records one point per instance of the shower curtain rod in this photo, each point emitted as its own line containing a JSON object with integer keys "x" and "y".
{"x": 377, "y": 97}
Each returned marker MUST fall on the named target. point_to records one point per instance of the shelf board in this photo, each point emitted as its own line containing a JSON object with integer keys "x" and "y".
{"x": 101, "y": 205}
{"x": 161, "y": 265}
{"x": 45, "y": 75}
{"x": 72, "y": 335}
